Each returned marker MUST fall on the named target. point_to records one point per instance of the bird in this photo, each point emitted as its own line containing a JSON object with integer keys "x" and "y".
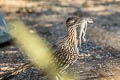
{"x": 66, "y": 51}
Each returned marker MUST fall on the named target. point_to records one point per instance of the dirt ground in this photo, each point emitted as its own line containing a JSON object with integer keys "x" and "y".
{"x": 100, "y": 58}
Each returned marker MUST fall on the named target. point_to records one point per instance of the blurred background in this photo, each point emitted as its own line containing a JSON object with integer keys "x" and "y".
{"x": 100, "y": 55}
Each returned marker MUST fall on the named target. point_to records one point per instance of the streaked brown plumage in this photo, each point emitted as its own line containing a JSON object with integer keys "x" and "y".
{"x": 66, "y": 50}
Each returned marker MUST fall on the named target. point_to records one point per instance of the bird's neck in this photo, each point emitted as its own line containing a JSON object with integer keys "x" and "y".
{"x": 72, "y": 35}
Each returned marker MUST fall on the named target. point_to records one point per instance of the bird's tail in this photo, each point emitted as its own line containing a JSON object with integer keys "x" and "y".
{"x": 17, "y": 71}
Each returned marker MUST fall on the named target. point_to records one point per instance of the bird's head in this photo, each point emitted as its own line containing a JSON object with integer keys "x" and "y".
{"x": 81, "y": 23}
{"x": 76, "y": 21}
{"x": 72, "y": 21}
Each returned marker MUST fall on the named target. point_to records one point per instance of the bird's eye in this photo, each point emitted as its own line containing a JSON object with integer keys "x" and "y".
{"x": 73, "y": 21}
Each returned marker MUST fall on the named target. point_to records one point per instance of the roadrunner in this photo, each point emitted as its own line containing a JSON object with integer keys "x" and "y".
{"x": 66, "y": 50}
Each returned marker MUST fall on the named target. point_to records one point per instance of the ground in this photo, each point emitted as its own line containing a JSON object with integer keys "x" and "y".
{"x": 99, "y": 56}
